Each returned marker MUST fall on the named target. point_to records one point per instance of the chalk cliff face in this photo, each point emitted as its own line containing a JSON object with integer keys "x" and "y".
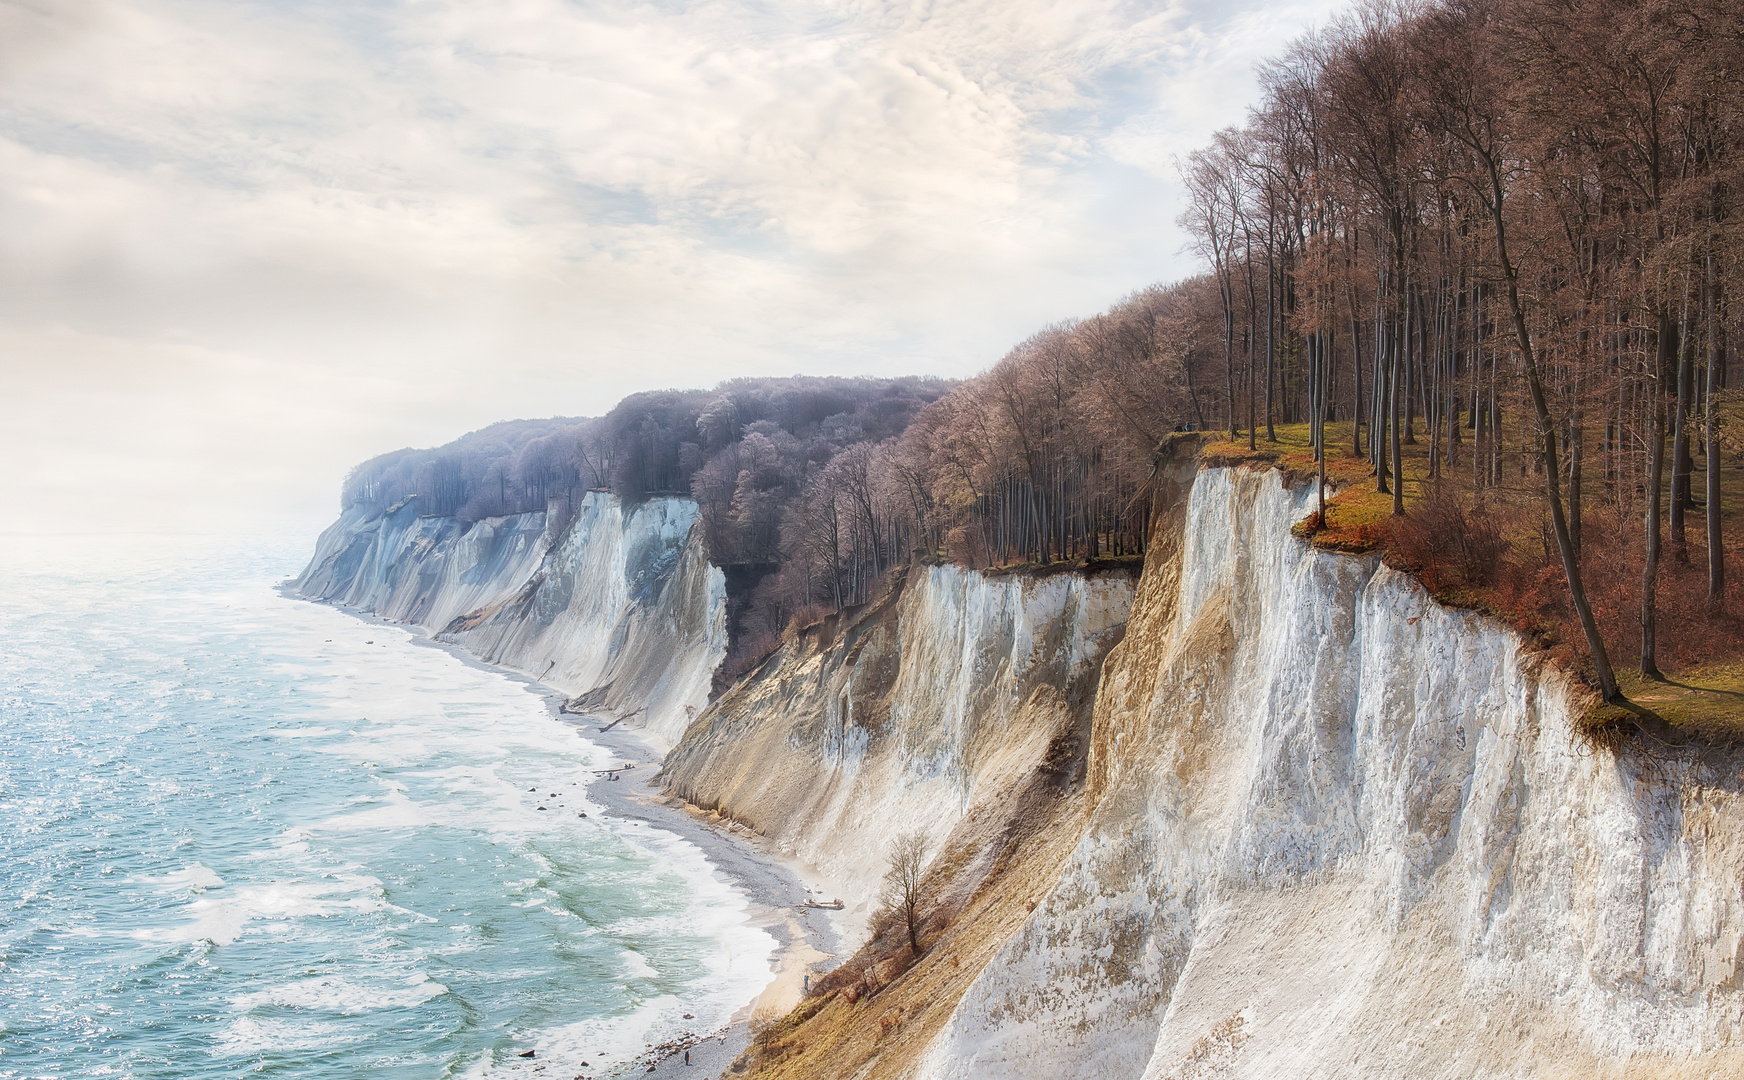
{"x": 1336, "y": 829}
{"x": 1313, "y": 824}
{"x": 620, "y": 608}
{"x": 932, "y": 705}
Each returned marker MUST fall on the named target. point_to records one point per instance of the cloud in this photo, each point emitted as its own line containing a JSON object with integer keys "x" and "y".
{"x": 485, "y": 208}
{"x": 33, "y": 30}
{"x": 107, "y": 431}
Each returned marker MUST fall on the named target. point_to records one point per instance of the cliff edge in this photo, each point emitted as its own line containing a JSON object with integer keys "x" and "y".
{"x": 1257, "y": 810}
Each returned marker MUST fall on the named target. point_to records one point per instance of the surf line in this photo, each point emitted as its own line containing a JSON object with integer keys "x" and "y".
{"x": 801, "y": 944}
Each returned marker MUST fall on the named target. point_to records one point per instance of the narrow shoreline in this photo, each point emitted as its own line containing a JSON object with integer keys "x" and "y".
{"x": 807, "y": 941}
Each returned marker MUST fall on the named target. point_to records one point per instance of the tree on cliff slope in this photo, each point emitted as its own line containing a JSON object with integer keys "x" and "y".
{"x": 904, "y": 884}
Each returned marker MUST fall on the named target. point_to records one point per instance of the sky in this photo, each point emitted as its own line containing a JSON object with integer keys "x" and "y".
{"x": 245, "y": 245}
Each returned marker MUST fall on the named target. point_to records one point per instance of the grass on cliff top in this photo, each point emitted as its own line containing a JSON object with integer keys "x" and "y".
{"x": 1522, "y": 584}
{"x": 1356, "y": 513}
{"x": 1706, "y": 701}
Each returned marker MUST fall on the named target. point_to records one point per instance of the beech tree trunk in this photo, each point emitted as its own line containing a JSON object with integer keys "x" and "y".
{"x": 1655, "y": 493}
{"x": 1559, "y": 521}
{"x": 1716, "y": 381}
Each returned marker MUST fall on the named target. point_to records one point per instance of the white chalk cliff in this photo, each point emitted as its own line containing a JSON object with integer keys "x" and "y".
{"x": 947, "y": 692}
{"x": 1325, "y": 826}
{"x": 1341, "y": 830}
{"x": 620, "y": 608}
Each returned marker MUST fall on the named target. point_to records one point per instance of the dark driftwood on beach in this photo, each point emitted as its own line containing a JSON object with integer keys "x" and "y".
{"x": 621, "y": 719}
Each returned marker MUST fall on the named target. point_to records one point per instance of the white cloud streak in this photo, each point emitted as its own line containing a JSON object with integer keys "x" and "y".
{"x": 313, "y": 231}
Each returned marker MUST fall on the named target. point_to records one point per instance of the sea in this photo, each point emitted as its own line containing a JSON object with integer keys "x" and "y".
{"x": 247, "y": 835}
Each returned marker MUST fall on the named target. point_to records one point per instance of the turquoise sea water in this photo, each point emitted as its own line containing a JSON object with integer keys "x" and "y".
{"x": 245, "y": 835}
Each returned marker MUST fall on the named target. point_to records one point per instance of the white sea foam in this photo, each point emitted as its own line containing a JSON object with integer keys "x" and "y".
{"x": 193, "y": 878}
{"x": 635, "y": 967}
{"x": 346, "y": 997}
{"x": 315, "y": 732}
{"x": 602, "y": 1042}
{"x": 253, "y": 1036}
{"x": 221, "y": 919}
{"x": 393, "y": 811}
{"x": 737, "y": 961}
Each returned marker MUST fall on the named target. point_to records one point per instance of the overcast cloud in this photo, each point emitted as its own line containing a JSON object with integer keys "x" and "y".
{"x": 244, "y": 245}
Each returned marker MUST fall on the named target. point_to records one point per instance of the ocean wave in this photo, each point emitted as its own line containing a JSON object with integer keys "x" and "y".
{"x": 395, "y": 811}
{"x": 252, "y": 1036}
{"x": 221, "y": 920}
{"x": 345, "y": 997}
{"x": 194, "y": 877}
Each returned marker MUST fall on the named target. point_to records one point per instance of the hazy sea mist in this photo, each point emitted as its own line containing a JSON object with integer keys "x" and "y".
{"x": 246, "y": 835}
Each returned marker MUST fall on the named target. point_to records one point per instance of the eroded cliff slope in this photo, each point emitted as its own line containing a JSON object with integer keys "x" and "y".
{"x": 1328, "y": 828}
{"x": 619, "y": 608}
{"x": 936, "y": 704}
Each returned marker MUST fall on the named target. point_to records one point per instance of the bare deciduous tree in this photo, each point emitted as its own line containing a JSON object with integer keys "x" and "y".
{"x": 904, "y": 883}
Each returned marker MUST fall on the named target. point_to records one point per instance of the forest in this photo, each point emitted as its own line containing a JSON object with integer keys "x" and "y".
{"x": 1469, "y": 262}
{"x": 1495, "y": 238}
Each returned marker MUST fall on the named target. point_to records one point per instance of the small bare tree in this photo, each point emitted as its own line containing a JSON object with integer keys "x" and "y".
{"x": 903, "y": 894}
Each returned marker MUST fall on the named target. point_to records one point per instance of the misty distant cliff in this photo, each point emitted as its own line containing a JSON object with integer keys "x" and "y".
{"x": 618, "y": 607}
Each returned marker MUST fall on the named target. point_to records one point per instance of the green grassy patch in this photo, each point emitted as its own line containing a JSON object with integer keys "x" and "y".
{"x": 1705, "y": 700}
{"x": 1356, "y": 513}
